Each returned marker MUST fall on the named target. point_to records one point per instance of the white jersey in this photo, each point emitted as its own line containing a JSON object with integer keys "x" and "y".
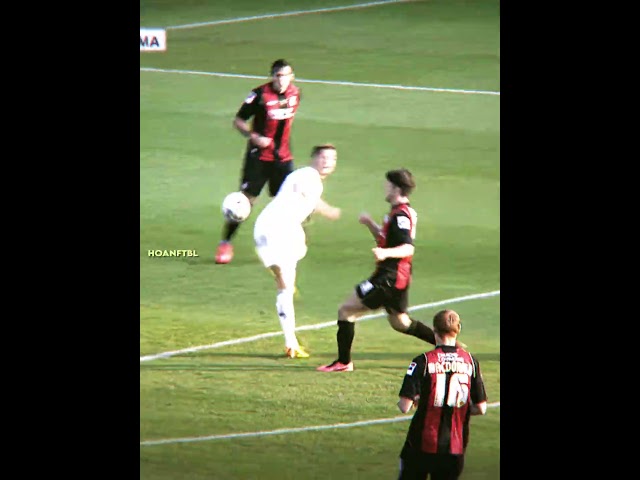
{"x": 296, "y": 200}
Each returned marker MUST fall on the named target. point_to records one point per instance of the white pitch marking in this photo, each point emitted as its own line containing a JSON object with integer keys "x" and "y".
{"x": 284, "y": 14}
{"x": 325, "y": 82}
{"x": 282, "y": 431}
{"x": 316, "y": 326}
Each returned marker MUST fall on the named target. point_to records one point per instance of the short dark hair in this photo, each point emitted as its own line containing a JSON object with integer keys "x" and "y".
{"x": 318, "y": 148}
{"x": 279, "y": 64}
{"x": 446, "y": 322}
{"x": 403, "y": 179}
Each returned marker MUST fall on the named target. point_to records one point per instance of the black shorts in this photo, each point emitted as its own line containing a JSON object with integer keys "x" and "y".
{"x": 435, "y": 466}
{"x": 378, "y": 291}
{"x": 255, "y": 173}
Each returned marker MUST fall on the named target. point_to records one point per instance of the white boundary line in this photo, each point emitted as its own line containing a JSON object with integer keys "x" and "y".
{"x": 316, "y": 326}
{"x": 284, "y": 14}
{"x": 282, "y": 431}
{"x": 324, "y": 82}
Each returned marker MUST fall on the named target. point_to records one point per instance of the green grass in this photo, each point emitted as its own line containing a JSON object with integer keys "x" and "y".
{"x": 190, "y": 158}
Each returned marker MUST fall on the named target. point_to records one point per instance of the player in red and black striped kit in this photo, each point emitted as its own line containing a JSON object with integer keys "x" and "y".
{"x": 388, "y": 286}
{"x": 268, "y": 157}
{"x": 447, "y": 387}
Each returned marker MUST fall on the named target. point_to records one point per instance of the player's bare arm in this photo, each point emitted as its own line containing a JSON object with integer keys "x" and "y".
{"x": 405, "y": 404}
{"x": 478, "y": 408}
{"x": 327, "y": 211}
{"x": 245, "y": 130}
{"x": 401, "y": 251}
{"x": 366, "y": 220}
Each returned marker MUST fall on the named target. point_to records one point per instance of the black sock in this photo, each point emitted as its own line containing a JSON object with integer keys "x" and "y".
{"x": 346, "y": 332}
{"x": 421, "y": 331}
{"x": 230, "y": 230}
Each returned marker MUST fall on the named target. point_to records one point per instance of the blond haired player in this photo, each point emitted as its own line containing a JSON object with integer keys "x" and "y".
{"x": 446, "y": 386}
{"x": 280, "y": 239}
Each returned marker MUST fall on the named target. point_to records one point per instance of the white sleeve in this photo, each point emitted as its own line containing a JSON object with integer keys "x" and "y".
{"x": 310, "y": 186}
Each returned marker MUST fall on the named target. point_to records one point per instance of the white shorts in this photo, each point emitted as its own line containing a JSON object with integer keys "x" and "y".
{"x": 280, "y": 246}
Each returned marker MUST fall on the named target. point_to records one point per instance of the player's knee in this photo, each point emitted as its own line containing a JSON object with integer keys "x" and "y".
{"x": 277, "y": 274}
{"x": 346, "y": 313}
{"x": 399, "y": 322}
{"x": 277, "y": 271}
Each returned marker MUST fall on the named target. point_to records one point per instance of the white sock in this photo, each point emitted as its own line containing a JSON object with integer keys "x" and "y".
{"x": 287, "y": 316}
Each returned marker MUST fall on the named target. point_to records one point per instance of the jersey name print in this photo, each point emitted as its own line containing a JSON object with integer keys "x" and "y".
{"x": 447, "y": 379}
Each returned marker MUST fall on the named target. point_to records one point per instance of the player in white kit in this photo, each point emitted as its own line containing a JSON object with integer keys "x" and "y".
{"x": 280, "y": 239}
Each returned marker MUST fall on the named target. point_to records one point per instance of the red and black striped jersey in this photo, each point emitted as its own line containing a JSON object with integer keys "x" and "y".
{"x": 398, "y": 228}
{"x": 273, "y": 114}
{"x": 447, "y": 379}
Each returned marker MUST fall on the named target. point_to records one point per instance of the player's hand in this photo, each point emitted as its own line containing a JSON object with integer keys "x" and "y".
{"x": 415, "y": 401}
{"x": 379, "y": 253}
{"x": 365, "y": 219}
{"x": 260, "y": 141}
{"x": 333, "y": 213}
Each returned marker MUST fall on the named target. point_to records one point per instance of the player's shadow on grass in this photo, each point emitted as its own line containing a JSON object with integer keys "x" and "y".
{"x": 200, "y": 362}
{"x": 265, "y": 355}
{"x": 209, "y": 260}
{"x": 482, "y": 357}
{"x": 289, "y": 365}
{"x": 220, "y": 367}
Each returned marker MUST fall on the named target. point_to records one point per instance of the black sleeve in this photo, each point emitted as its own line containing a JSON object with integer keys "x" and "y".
{"x": 400, "y": 230}
{"x": 250, "y": 105}
{"x": 478, "y": 392}
{"x": 414, "y": 378}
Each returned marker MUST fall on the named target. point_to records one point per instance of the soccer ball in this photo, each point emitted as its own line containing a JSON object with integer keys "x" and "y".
{"x": 236, "y": 207}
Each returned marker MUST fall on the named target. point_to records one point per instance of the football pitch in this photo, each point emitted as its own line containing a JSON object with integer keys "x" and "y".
{"x": 392, "y": 84}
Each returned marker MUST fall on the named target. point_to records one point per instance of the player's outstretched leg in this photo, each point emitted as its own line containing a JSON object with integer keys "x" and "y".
{"x": 403, "y": 323}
